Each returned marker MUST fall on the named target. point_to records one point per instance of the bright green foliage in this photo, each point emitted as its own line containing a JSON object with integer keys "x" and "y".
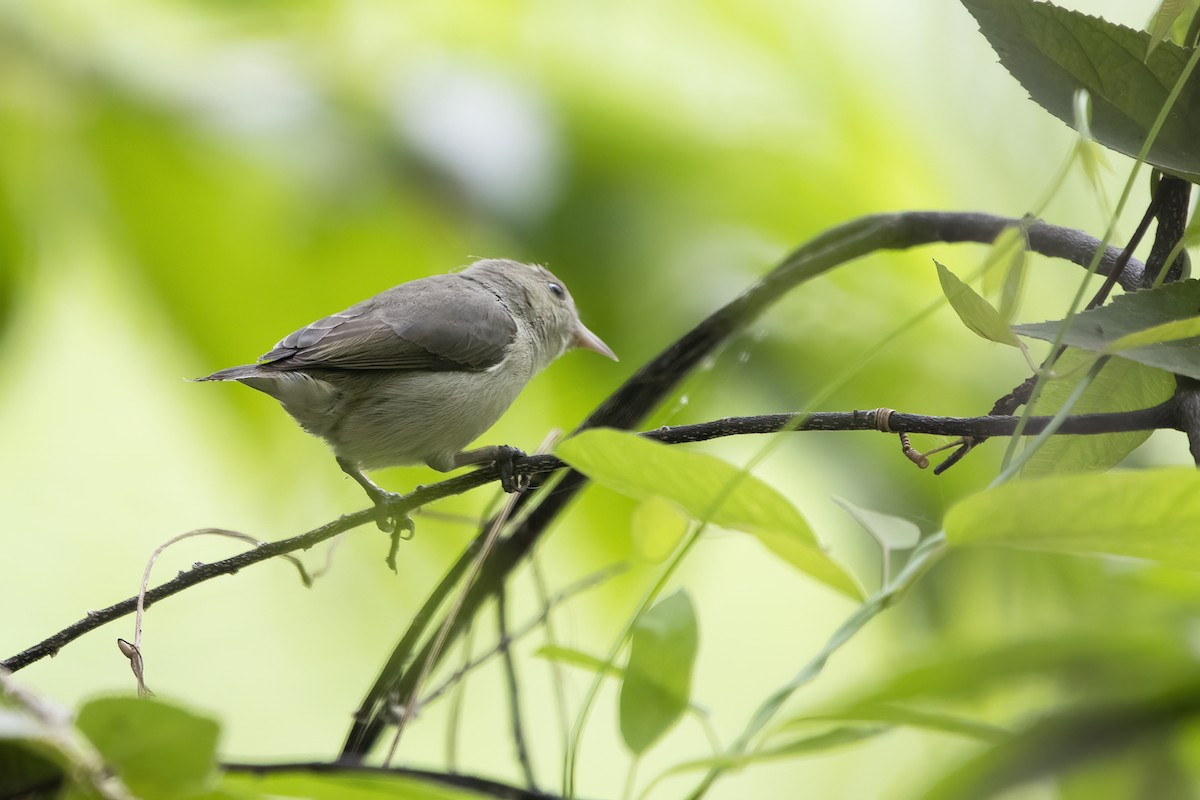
{"x": 1152, "y": 514}
{"x": 1065, "y": 740}
{"x": 157, "y": 749}
{"x": 1157, "y": 327}
{"x": 980, "y": 317}
{"x": 1122, "y": 385}
{"x": 710, "y": 490}
{"x": 658, "y": 678}
{"x": 656, "y": 528}
{"x": 1053, "y": 52}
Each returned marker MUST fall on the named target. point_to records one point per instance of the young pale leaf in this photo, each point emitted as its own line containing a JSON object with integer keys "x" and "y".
{"x": 1111, "y": 329}
{"x": 892, "y": 533}
{"x": 1053, "y": 52}
{"x": 1004, "y": 268}
{"x": 1122, "y": 385}
{"x": 658, "y": 678}
{"x": 1152, "y": 514}
{"x": 710, "y": 490}
{"x": 657, "y": 527}
{"x": 157, "y": 749}
{"x": 1166, "y": 17}
{"x": 975, "y": 312}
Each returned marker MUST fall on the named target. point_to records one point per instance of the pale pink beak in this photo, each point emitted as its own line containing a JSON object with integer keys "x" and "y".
{"x": 587, "y": 340}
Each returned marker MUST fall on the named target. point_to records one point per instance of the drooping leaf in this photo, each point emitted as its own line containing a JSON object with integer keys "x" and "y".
{"x": 1005, "y": 264}
{"x": 892, "y": 532}
{"x": 157, "y": 749}
{"x": 976, "y": 313}
{"x": 1121, "y": 385}
{"x": 1152, "y": 514}
{"x": 708, "y": 489}
{"x": 1053, "y": 52}
{"x": 1111, "y": 329}
{"x": 1167, "y": 17}
{"x": 658, "y": 678}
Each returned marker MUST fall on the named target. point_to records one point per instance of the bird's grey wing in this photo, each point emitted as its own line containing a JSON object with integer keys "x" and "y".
{"x": 441, "y": 323}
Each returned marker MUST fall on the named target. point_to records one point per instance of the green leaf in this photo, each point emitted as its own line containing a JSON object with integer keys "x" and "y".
{"x": 1134, "y": 326}
{"x": 1053, "y": 52}
{"x": 1061, "y": 741}
{"x": 975, "y": 312}
{"x": 892, "y": 533}
{"x": 658, "y": 677}
{"x": 577, "y": 658}
{"x": 710, "y": 490}
{"x": 1122, "y": 385}
{"x": 1093, "y": 663}
{"x": 1152, "y": 514}
{"x": 657, "y": 528}
{"x": 157, "y": 749}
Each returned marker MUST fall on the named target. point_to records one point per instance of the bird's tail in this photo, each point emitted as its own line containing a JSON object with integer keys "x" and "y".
{"x": 233, "y": 373}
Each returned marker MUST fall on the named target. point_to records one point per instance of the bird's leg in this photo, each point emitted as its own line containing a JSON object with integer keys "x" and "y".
{"x": 503, "y": 456}
{"x": 387, "y": 521}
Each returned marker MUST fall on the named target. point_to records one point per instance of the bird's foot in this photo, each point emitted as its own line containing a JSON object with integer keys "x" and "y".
{"x": 398, "y": 524}
{"x": 510, "y": 481}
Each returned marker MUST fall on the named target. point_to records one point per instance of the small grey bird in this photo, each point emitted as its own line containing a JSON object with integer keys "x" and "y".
{"x": 416, "y": 373}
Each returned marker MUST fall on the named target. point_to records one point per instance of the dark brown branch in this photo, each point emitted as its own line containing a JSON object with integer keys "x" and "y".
{"x": 482, "y": 786}
{"x": 634, "y": 400}
{"x": 1187, "y": 397}
{"x": 1164, "y": 416}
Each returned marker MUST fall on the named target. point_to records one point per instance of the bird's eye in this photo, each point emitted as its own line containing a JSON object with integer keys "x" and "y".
{"x": 558, "y": 291}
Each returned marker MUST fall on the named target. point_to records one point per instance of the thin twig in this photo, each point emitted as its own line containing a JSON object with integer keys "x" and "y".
{"x": 514, "y": 694}
{"x": 407, "y": 705}
{"x": 1161, "y": 416}
{"x": 557, "y": 678}
{"x": 582, "y": 585}
{"x": 133, "y": 651}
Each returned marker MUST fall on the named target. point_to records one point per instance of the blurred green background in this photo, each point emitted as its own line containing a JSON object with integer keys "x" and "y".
{"x": 183, "y": 183}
